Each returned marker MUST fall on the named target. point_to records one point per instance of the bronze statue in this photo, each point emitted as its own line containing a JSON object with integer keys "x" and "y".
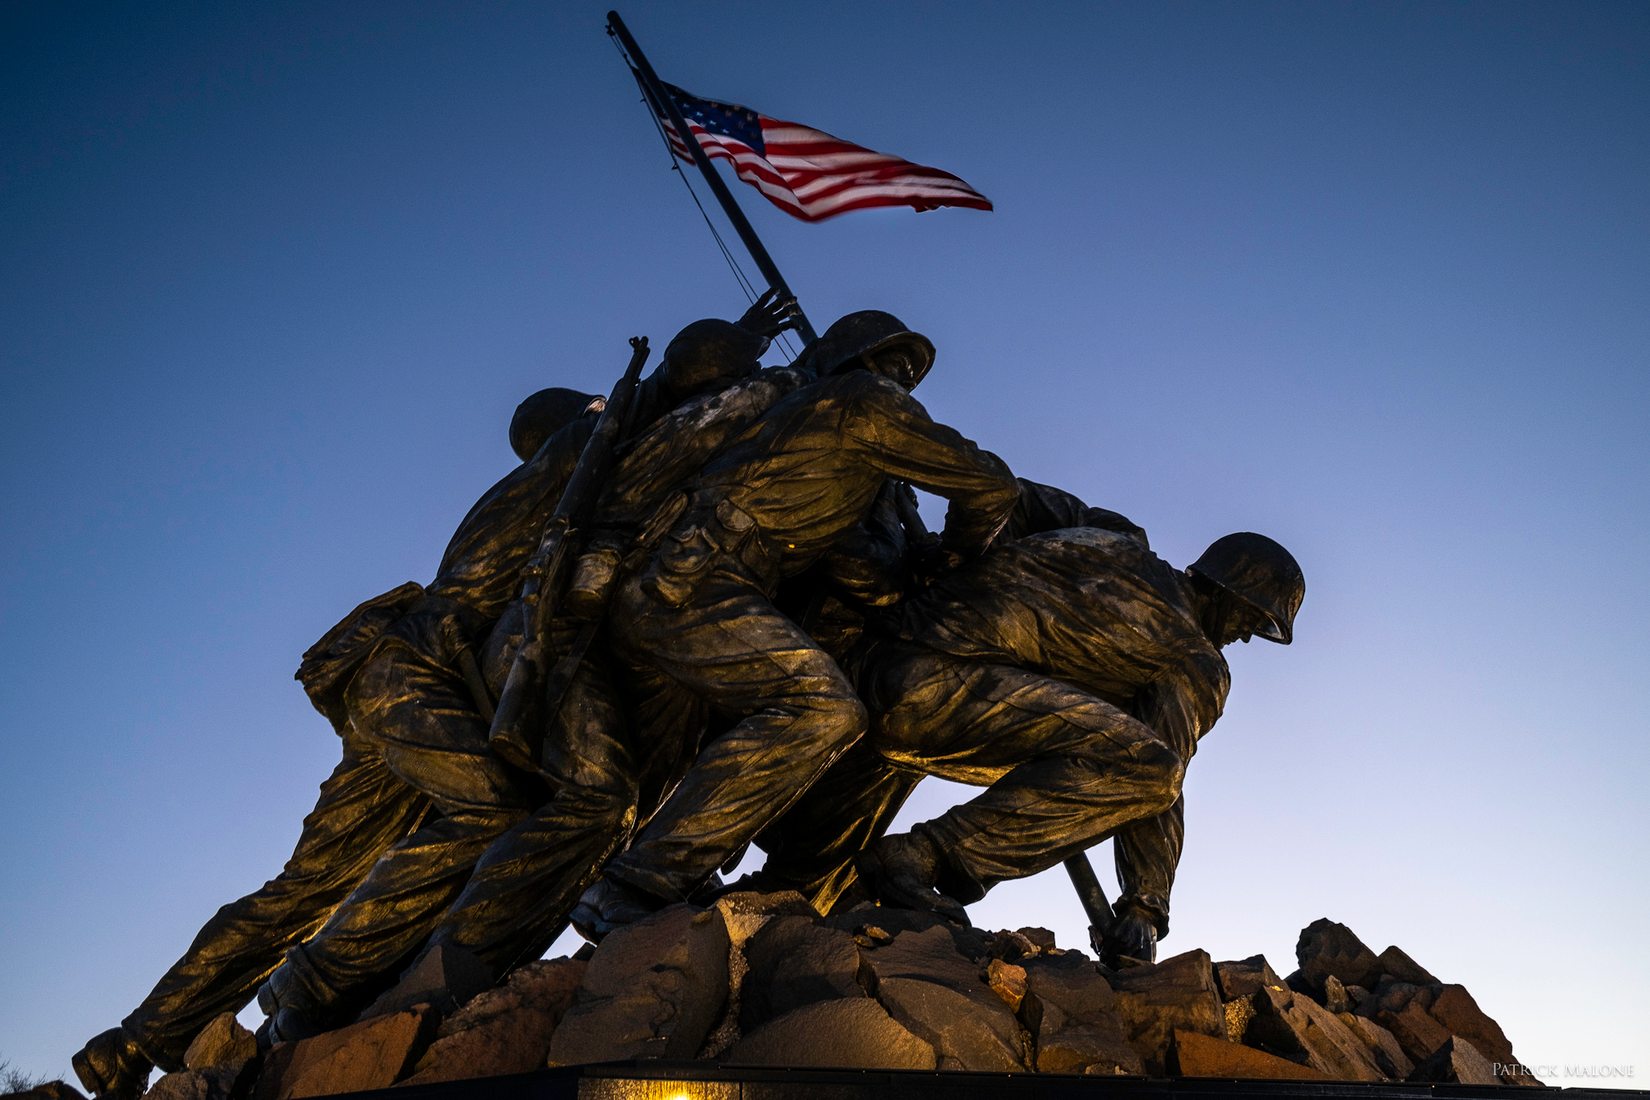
{"x": 607, "y": 764}
{"x": 408, "y": 654}
{"x": 390, "y": 658}
{"x": 1071, "y": 673}
{"x": 702, "y": 611}
{"x": 480, "y": 796}
{"x": 749, "y": 581}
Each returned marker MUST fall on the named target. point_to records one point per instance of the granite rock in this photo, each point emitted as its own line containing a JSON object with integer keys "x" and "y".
{"x": 1245, "y": 976}
{"x": 794, "y": 961}
{"x": 1389, "y": 1056}
{"x": 192, "y": 1084}
{"x": 852, "y": 1033}
{"x": 1156, "y": 998}
{"x": 371, "y": 1054}
{"x": 222, "y": 1044}
{"x": 1457, "y": 1061}
{"x": 1197, "y": 1055}
{"x": 1072, "y": 1016}
{"x": 1455, "y": 1008}
{"x": 1326, "y": 948}
{"x": 504, "y": 1030}
{"x": 1398, "y": 966}
{"x": 1008, "y": 982}
{"x": 965, "y": 1033}
{"x": 1294, "y": 1027}
{"x": 653, "y": 990}
{"x": 1416, "y": 1031}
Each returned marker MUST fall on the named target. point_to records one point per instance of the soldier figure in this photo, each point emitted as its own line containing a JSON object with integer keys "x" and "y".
{"x": 702, "y": 613}
{"x": 1071, "y": 673}
{"x": 408, "y": 649}
{"x": 605, "y": 771}
{"x": 393, "y": 910}
{"x": 1051, "y": 658}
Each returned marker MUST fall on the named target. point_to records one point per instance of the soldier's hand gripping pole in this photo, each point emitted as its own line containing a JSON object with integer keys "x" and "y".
{"x": 518, "y": 724}
{"x": 1093, "y": 898}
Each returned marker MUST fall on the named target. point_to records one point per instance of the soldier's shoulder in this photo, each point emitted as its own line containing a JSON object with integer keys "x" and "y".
{"x": 1099, "y": 541}
{"x": 863, "y": 383}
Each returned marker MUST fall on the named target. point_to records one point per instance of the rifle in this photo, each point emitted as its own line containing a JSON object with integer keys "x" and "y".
{"x": 523, "y": 706}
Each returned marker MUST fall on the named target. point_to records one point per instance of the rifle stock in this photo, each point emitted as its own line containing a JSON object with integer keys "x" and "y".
{"x": 519, "y": 721}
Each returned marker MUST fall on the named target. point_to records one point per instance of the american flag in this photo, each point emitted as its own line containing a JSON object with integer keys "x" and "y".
{"x": 807, "y": 172}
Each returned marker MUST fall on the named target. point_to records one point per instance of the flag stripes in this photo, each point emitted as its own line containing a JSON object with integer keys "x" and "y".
{"x": 807, "y": 172}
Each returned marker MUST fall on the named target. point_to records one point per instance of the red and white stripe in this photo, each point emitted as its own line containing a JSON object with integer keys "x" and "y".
{"x": 812, "y": 175}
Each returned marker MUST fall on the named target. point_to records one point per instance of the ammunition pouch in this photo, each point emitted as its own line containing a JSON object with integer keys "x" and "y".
{"x": 714, "y": 533}
{"x": 592, "y": 582}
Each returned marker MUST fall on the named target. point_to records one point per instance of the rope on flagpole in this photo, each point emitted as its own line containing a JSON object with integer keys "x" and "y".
{"x": 739, "y": 275}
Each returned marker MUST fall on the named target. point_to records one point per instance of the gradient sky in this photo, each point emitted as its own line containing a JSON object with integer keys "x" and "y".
{"x": 1368, "y": 277}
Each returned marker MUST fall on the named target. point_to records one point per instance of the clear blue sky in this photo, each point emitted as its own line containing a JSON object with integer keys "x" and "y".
{"x": 1368, "y": 277}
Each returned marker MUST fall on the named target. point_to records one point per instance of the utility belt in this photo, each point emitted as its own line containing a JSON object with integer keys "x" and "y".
{"x": 714, "y": 533}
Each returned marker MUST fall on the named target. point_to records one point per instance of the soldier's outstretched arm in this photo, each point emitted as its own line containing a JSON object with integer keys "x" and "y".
{"x": 897, "y": 436}
{"x": 1147, "y": 852}
{"x": 1048, "y": 508}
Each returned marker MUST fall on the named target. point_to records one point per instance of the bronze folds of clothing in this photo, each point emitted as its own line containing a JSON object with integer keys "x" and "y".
{"x": 416, "y": 711}
{"x": 1067, "y": 673}
{"x": 729, "y": 646}
{"x": 362, "y": 809}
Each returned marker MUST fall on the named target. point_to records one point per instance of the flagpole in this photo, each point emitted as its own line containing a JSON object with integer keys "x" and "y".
{"x": 663, "y": 102}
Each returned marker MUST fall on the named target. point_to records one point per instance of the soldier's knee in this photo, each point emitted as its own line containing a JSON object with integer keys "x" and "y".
{"x": 1161, "y": 771}
{"x": 840, "y": 722}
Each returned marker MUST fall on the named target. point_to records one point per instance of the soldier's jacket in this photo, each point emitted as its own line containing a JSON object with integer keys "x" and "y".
{"x": 647, "y": 487}
{"x": 482, "y": 564}
{"x": 871, "y": 567}
{"x": 1100, "y": 611}
{"x": 1046, "y": 508}
{"x": 679, "y": 444}
{"x": 478, "y": 576}
{"x": 809, "y": 470}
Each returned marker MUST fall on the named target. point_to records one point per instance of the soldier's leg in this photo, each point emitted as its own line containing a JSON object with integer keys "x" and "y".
{"x": 670, "y": 725}
{"x": 516, "y": 901}
{"x": 1065, "y": 769}
{"x": 811, "y": 849}
{"x": 432, "y": 738}
{"x": 361, "y": 810}
{"x": 796, "y": 711}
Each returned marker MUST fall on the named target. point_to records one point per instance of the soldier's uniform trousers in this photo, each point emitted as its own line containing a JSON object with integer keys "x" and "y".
{"x": 517, "y": 898}
{"x": 419, "y": 716}
{"x": 1063, "y": 769}
{"x": 795, "y": 712}
{"x": 362, "y": 809}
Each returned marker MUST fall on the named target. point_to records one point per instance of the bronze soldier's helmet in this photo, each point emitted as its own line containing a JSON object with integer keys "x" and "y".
{"x": 1260, "y": 573}
{"x": 860, "y": 334}
{"x": 544, "y": 414}
{"x": 707, "y": 353}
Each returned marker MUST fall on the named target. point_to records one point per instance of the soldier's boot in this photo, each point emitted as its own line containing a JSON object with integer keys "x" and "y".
{"x": 113, "y": 1065}
{"x": 608, "y": 905}
{"x": 286, "y": 1025}
{"x": 902, "y": 870}
{"x": 296, "y": 1001}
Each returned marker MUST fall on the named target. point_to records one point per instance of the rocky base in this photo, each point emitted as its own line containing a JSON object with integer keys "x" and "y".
{"x": 761, "y": 980}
